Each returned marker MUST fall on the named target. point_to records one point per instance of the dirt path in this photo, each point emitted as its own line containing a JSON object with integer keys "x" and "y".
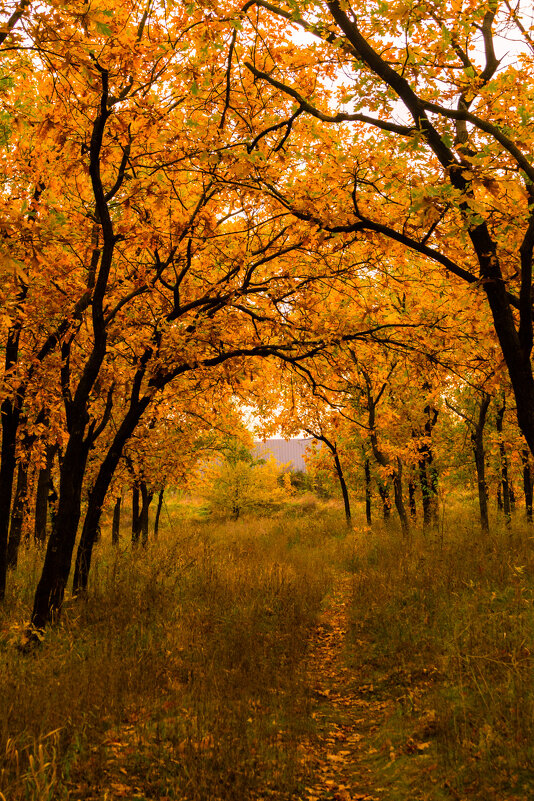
{"x": 345, "y": 712}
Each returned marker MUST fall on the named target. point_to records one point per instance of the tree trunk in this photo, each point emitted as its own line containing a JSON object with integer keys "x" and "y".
{"x": 382, "y": 459}
{"x": 44, "y": 487}
{"x": 147, "y": 496}
{"x": 527, "y": 483}
{"x": 411, "y": 499}
{"x": 343, "y": 485}
{"x": 98, "y": 493}
{"x": 57, "y": 563}
{"x": 10, "y": 420}
{"x": 18, "y": 514}
{"x": 428, "y": 475}
{"x": 136, "y": 518}
{"x": 477, "y": 437}
{"x": 158, "y": 512}
{"x": 367, "y": 468}
{"x": 505, "y": 487}
{"x": 399, "y": 501}
{"x": 425, "y": 493}
{"x": 512, "y": 494}
{"x": 116, "y": 525}
{"x": 386, "y": 503}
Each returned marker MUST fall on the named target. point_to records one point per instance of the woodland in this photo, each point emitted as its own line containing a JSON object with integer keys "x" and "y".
{"x": 228, "y": 220}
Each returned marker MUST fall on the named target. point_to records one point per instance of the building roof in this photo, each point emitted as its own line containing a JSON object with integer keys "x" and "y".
{"x": 287, "y": 452}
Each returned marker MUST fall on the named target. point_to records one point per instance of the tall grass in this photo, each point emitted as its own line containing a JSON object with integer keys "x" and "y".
{"x": 181, "y": 674}
{"x": 446, "y": 626}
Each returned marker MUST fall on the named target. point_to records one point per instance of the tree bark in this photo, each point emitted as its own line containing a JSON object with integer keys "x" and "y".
{"x": 505, "y": 486}
{"x": 477, "y": 438}
{"x": 386, "y": 503}
{"x": 136, "y": 517}
{"x": 99, "y": 490}
{"x": 44, "y": 488}
{"x": 116, "y": 525}
{"x": 527, "y": 483}
{"x": 10, "y": 420}
{"x": 343, "y": 485}
{"x": 58, "y": 558}
{"x": 146, "y": 497}
{"x": 18, "y": 514}
{"x": 331, "y": 445}
{"x": 367, "y": 469}
{"x": 158, "y": 512}
{"x": 381, "y": 458}
{"x": 411, "y": 499}
{"x": 428, "y": 475}
{"x": 399, "y": 500}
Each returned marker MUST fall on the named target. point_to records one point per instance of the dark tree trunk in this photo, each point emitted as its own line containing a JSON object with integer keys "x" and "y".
{"x": 411, "y": 499}
{"x": 136, "y": 517}
{"x": 339, "y": 471}
{"x": 380, "y": 456}
{"x": 146, "y": 496}
{"x": 428, "y": 475}
{"x": 44, "y": 488}
{"x": 158, "y": 512}
{"x": 500, "y": 506}
{"x": 527, "y": 483}
{"x": 10, "y": 420}
{"x": 116, "y": 525}
{"x": 477, "y": 437}
{"x": 505, "y": 486}
{"x": 343, "y": 485}
{"x": 57, "y": 563}
{"x": 399, "y": 500}
{"x": 386, "y": 503}
{"x": 98, "y": 493}
{"x": 18, "y": 515}
{"x": 367, "y": 468}
{"x": 82, "y": 430}
{"x": 425, "y": 493}
{"x": 512, "y": 494}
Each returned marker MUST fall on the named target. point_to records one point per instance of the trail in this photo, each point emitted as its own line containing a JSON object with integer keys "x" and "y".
{"x": 345, "y": 712}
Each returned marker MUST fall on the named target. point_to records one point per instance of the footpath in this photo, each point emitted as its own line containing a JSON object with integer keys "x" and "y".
{"x": 345, "y": 713}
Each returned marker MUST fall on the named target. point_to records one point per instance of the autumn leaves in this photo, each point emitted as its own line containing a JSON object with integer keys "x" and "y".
{"x": 184, "y": 206}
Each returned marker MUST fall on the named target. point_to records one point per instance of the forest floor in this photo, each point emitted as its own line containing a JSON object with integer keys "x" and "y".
{"x": 280, "y": 661}
{"x": 350, "y": 758}
{"x": 346, "y": 718}
{"x": 345, "y": 755}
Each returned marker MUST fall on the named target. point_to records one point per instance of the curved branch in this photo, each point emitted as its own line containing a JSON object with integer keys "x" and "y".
{"x": 404, "y": 130}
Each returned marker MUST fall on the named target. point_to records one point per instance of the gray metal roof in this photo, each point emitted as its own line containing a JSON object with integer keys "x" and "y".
{"x": 287, "y": 452}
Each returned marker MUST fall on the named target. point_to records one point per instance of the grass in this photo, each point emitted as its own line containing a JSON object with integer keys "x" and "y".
{"x": 446, "y": 627}
{"x": 181, "y": 674}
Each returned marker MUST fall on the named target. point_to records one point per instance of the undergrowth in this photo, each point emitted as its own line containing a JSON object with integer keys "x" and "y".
{"x": 445, "y": 624}
{"x": 178, "y": 677}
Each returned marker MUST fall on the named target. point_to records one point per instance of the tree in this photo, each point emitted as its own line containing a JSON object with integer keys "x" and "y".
{"x": 150, "y": 262}
{"x": 447, "y": 182}
{"x": 235, "y": 483}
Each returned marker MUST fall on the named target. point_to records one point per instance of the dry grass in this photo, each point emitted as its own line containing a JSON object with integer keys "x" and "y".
{"x": 446, "y": 626}
{"x": 180, "y": 676}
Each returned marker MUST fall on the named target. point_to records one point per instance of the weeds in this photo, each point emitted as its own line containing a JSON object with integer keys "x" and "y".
{"x": 180, "y": 675}
{"x": 447, "y": 627}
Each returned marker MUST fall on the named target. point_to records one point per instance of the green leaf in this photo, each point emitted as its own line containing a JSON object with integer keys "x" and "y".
{"x": 104, "y": 29}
